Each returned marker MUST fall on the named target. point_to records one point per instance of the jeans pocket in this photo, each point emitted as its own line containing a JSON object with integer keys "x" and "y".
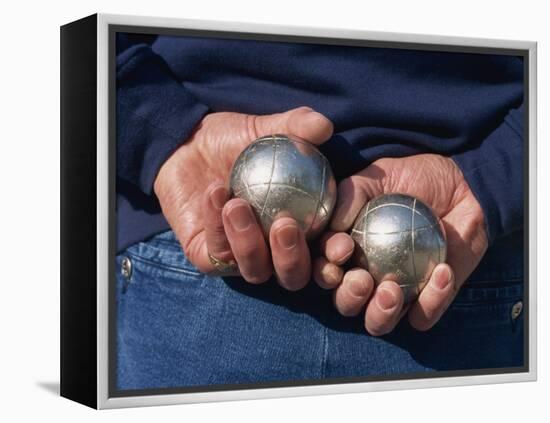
{"x": 153, "y": 278}
{"x": 489, "y": 318}
{"x": 164, "y": 253}
{"x": 163, "y": 315}
{"x": 497, "y": 306}
{"x": 493, "y": 294}
{"x": 483, "y": 328}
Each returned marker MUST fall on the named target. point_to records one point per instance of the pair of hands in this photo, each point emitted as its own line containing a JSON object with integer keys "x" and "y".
{"x": 191, "y": 188}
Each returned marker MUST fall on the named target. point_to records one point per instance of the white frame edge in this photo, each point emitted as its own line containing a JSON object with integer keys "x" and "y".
{"x": 103, "y": 400}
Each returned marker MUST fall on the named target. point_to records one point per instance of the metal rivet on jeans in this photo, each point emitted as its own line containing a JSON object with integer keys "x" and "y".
{"x": 517, "y": 309}
{"x": 126, "y": 268}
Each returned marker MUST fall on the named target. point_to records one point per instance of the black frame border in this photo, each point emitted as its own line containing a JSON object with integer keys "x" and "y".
{"x": 78, "y": 211}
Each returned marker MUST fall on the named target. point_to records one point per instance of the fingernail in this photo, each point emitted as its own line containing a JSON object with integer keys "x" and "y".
{"x": 386, "y": 299}
{"x": 288, "y": 236}
{"x": 442, "y": 278}
{"x": 357, "y": 287}
{"x": 240, "y": 217}
{"x": 345, "y": 248}
{"x": 218, "y": 197}
{"x": 332, "y": 274}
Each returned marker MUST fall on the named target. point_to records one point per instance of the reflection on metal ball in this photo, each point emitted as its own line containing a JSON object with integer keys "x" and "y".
{"x": 281, "y": 176}
{"x": 400, "y": 239}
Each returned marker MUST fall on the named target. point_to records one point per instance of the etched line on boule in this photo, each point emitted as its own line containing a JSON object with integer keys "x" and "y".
{"x": 363, "y": 225}
{"x": 321, "y": 194}
{"x": 439, "y": 224}
{"x": 246, "y": 171}
{"x": 389, "y": 238}
{"x": 251, "y": 198}
{"x": 392, "y": 204}
{"x": 403, "y": 231}
{"x": 281, "y": 184}
{"x": 288, "y": 186}
{"x": 270, "y": 178}
{"x": 412, "y": 238}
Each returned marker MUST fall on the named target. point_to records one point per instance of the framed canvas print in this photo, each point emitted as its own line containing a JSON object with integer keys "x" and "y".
{"x": 253, "y": 211}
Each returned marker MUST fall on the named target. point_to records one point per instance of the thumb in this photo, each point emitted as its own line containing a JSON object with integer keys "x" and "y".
{"x": 353, "y": 193}
{"x": 302, "y": 122}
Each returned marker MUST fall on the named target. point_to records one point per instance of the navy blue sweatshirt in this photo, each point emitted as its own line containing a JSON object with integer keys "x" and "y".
{"x": 383, "y": 103}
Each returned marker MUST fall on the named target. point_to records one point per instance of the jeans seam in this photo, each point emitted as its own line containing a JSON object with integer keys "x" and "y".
{"x": 164, "y": 266}
{"x": 471, "y": 283}
{"x": 324, "y": 358}
{"x": 158, "y": 242}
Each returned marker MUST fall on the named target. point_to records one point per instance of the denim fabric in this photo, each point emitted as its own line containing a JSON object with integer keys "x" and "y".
{"x": 179, "y": 328}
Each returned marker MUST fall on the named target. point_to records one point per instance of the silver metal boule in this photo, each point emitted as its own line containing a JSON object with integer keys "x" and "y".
{"x": 282, "y": 176}
{"x": 400, "y": 239}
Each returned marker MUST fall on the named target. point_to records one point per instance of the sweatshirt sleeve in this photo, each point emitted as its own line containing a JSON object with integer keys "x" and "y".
{"x": 155, "y": 115}
{"x": 494, "y": 171}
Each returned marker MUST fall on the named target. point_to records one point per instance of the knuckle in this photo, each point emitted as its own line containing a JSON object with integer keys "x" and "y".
{"x": 288, "y": 264}
{"x": 430, "y": 308}
{"x": 348, "y": 312}
{"x": 303, "y": 109}
{"x": 423, "y": 319}
{"x": 202, "y": 267}
{"x": 293, "y": 276}
{"x": 346, "y": 184}
{"x": 216, "y": 232}
{"x": 347, "y": 308}
{"x": 191, "y": 250}
{"x": 376, "y": 329}
{"x": 421, "y": 324}
{"x": 293, "y": 284}
{"x": 318, "y": 278}
{"x": 246, "y": 250}
{"x": 258, "y": 278}
{"x": 252, "y": 127}
{"x": 426, "y": 318}
{"x": 378, "y": 325}
{"x": 256, "y": 275}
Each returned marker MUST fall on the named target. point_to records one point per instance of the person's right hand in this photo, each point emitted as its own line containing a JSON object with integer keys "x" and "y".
{"x": 192, "y": 190}
{"x": 439, "y": 182}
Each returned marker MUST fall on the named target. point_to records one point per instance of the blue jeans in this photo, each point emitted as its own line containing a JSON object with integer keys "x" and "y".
{"x": 179, "y": 328}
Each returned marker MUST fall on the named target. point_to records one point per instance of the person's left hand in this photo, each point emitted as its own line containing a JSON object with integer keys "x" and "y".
{"x": 438, "y": 182}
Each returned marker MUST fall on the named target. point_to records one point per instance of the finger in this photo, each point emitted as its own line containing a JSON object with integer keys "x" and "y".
{"x": 327, "y": 274}
{"x": 217, "y": 243}
{"x": 353, "y": 293}
{"x": 351, "y": 199}
{"x": 337, "y": 247}
{"x": 290, "y": 254}
{"x": 247, "y": 241}
{"x": 384, "y": 308}
{"x": 434, "y": 299}
{"x": 302, "y": 122}
{"x": 353, "y": 194}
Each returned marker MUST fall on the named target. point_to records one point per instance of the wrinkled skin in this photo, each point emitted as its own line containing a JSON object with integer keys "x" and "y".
{"x": 192, "y": 189}
{"x": 438, "y": 182}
